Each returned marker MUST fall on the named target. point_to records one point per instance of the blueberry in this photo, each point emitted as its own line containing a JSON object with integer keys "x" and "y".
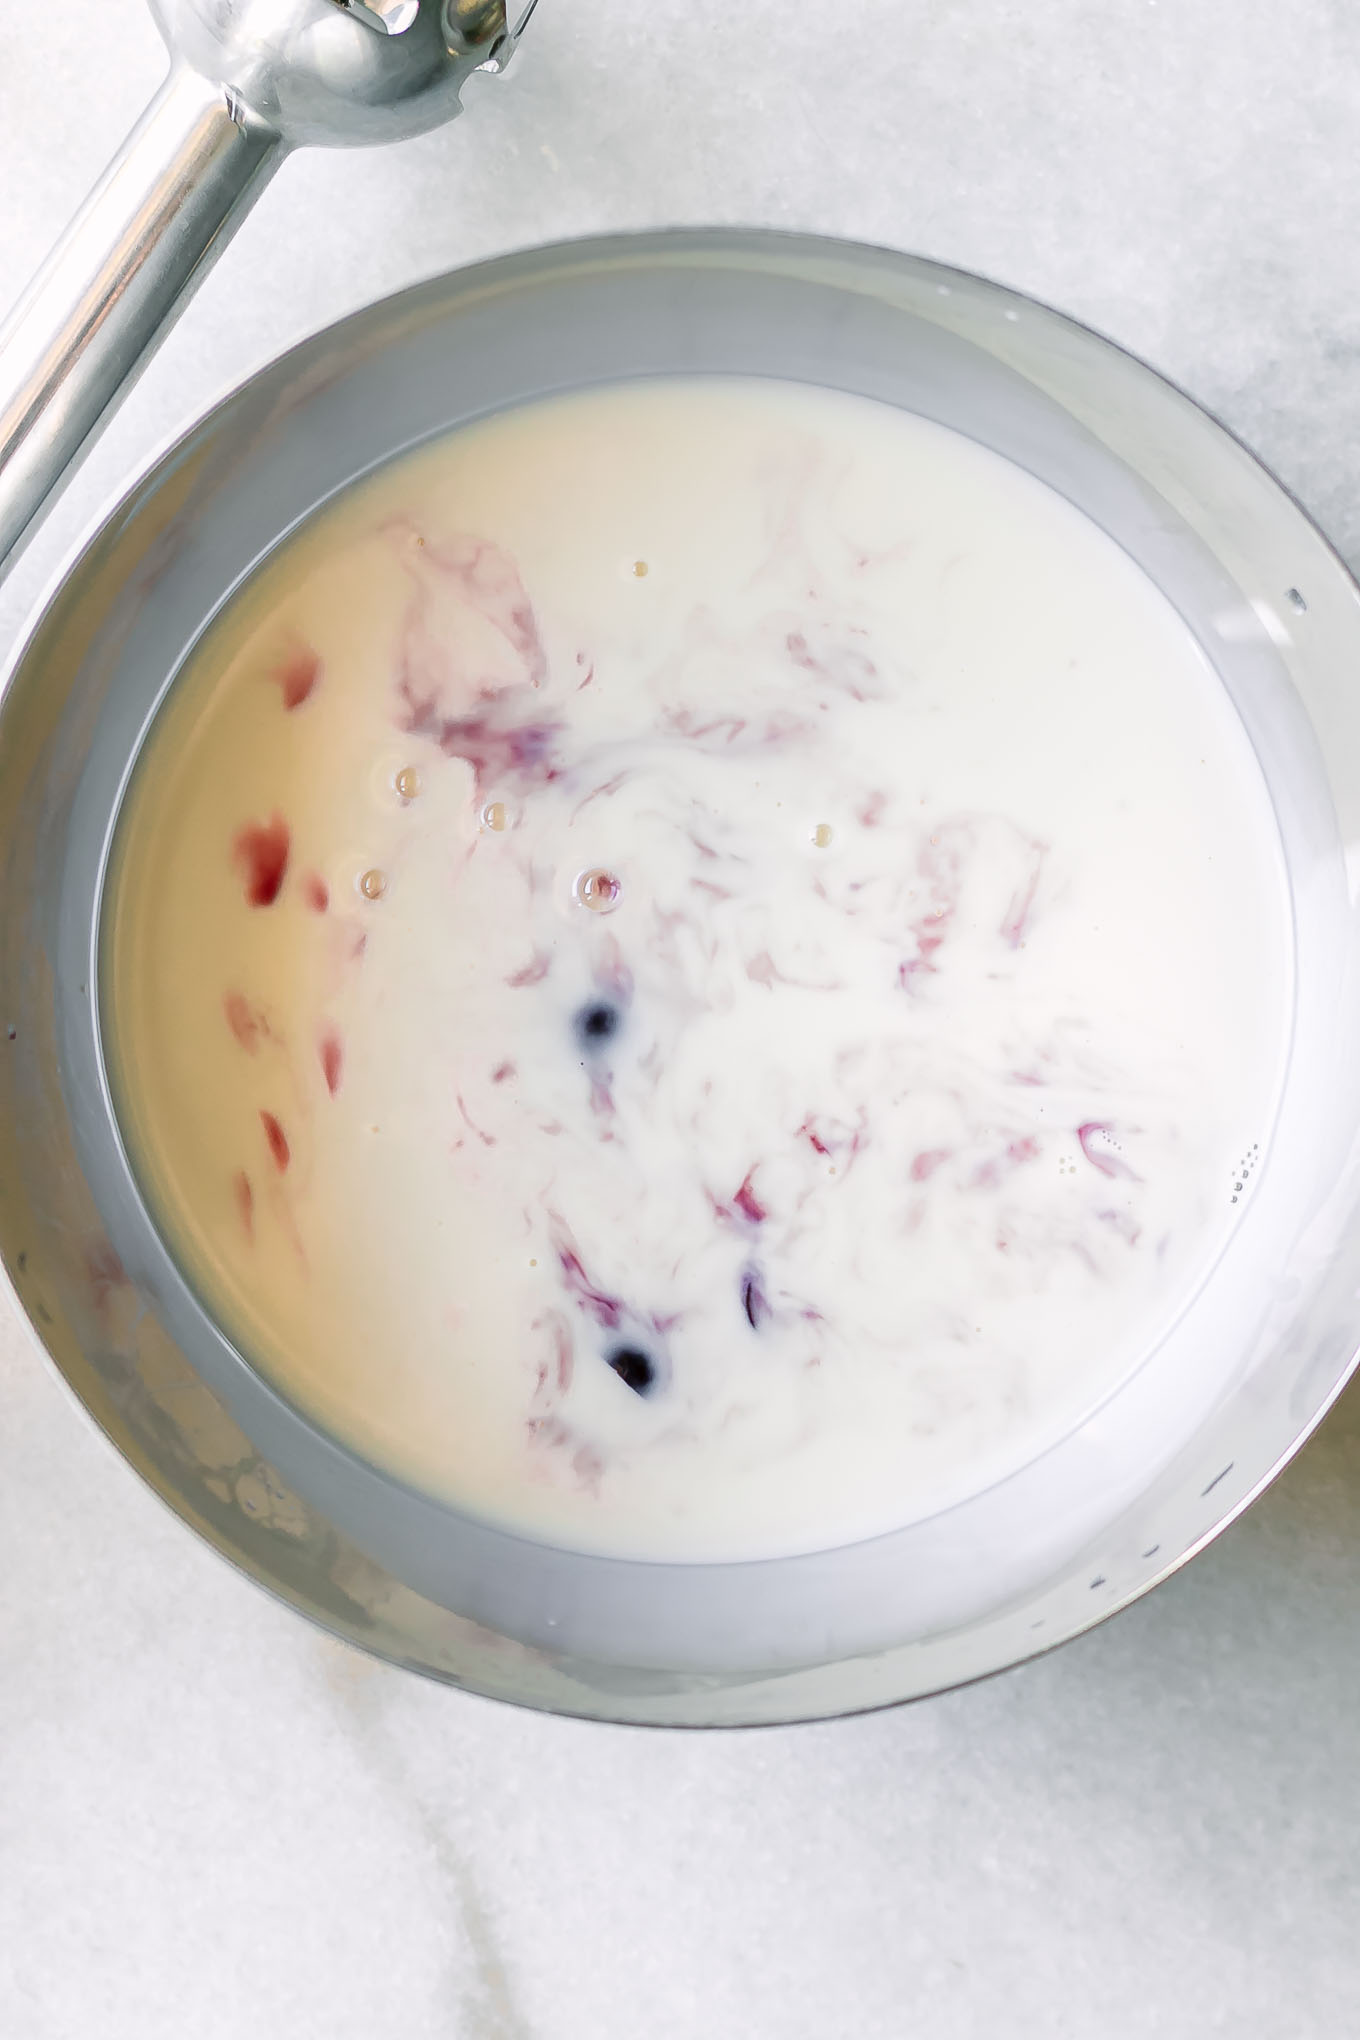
{"x": 597, "y": 1023}
{"x": 633, "y": 1367}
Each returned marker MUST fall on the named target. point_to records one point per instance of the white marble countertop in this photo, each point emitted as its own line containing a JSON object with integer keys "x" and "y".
{"x": 215, "y": 1821}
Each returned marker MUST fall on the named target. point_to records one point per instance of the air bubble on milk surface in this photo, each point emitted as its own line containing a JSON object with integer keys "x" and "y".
{"x": 496, "y": 817}
{"x": 373, "y": 884}
{"x": 598, "y": 889}
{"x": 407, "y": 783}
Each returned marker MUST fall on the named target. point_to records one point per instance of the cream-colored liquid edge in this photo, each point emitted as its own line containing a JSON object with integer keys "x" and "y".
{"x": 886, "y": 1116}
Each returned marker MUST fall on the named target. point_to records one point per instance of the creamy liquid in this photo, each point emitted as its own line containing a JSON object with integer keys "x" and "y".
{"x": 699, "y": 969}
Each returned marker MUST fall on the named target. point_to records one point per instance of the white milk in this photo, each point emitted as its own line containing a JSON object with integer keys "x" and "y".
{"x": 699, "y": 969}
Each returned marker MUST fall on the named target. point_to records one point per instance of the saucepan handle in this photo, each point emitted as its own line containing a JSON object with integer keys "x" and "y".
{"x": 164, "y": 209}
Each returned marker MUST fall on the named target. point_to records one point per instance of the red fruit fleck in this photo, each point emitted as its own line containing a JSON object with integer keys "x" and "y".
{"x": 244, "y": 1021}
{"x": 106, "y": 1273}
{"x": 316, "y": 892}
{"x": 606, "y": 1310}
{"x": 1096, "y": 1140}
{"x": 1122, "y": 1223}
{"x": 533, "y": 972}
{"x": 601, "y": 1096}
{"x": 500, "y": 1075}
{"x": 278, "y": 1141}
{"x": 332, "y": 1060}
{"x": 261, "y": 851}
{"x": 927, "y": 1162}
{"x": 245, "y": 1203}
{"x": 847, "y": 667}
{"x": 747, "y": 1203}
{"x": 487, "y": 1139}
{"x": 1015, "y": 925}
{"x": 297, "y": 676}
{"x": 565, "y": 1354}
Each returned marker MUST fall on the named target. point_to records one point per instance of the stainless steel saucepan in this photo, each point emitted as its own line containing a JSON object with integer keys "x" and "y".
{"x": 1178, "y": 1449}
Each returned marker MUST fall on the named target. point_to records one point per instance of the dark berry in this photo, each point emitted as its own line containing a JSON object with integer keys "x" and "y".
{"x": 753, "y": 1299}
{"x": 597, "y": 1023}
{"x": 633, "y": 1367}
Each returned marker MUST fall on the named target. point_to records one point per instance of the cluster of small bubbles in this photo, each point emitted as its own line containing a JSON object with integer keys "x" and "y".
{"x": 496, "y": 816}
{"x": 373, "y": 884}
{"x": 599, "y": 890}
{"x": 1243, "y": 1170}
{"x": 1067, "y": 1166}
{"x": 407, "y": 783}
{"x": 822, "y": 835}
